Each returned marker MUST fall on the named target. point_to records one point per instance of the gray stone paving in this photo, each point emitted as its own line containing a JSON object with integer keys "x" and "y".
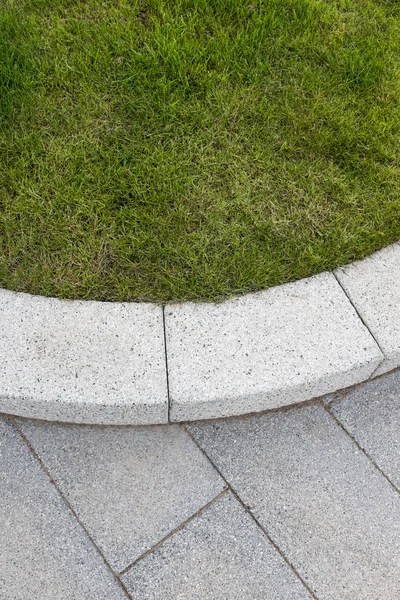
{"x": 44, "y": 552}
{"x": 130, "y": 486}
{"x": 371, "y": 414}
{"x": 237, "y": 562}
{"x": 334, "y": 516}
{"x": 300, "y": 503}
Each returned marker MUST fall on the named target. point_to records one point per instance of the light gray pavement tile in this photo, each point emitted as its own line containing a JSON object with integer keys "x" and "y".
{"x": 44, "y": 553}
{"x": 373, "y": 285}
{"x": 221, "y": 554}
{"x": 335, "y": 517}
{"x": 284, "y": 345}
{"x": 90, "y": 362}
{"x": 371, "y": 414}
{"x": 129, "y": 486}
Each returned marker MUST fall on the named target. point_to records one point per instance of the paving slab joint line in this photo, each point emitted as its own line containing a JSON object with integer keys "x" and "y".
{"x": 42, "y": 465}
{"x": 173, "y": 532}
{"x": 344, "y": 392}
{"x": 248, "y": 510}
{"x": 363, "y": 322}
{"x": 166, "y": 363}
{"x": 368, "y": 456}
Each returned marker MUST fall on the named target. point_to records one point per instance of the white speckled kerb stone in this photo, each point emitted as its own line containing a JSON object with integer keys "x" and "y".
{"x": 373, "y": 285}
{"x": 86, "y": 362}
{"x": 284, "y": 345}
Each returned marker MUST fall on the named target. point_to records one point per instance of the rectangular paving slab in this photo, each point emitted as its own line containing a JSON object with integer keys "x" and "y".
{"x": 44, "y": 552}
{"x": 264, "y": 350}
{"x": 371, "y": 414}
{"x": 331, "y": 512}
{"x": 220, "y": 554}
{"x": 129, "y": 486}
{"x": 373, "y": 285}
{"x": 85, "y": 362}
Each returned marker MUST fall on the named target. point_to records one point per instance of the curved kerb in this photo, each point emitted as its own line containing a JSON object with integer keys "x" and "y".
{"x": 131, "y": 363}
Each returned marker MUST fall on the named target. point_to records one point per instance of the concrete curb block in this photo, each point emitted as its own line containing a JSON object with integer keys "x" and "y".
{"x": 84, "y": 362}
{"x": 373, "y": 286}
{"x": 106, "y": 363}
{"x": 265, "y": 350}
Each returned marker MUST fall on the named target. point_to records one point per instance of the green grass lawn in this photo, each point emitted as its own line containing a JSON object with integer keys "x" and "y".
{"x": 183, "y": 149}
